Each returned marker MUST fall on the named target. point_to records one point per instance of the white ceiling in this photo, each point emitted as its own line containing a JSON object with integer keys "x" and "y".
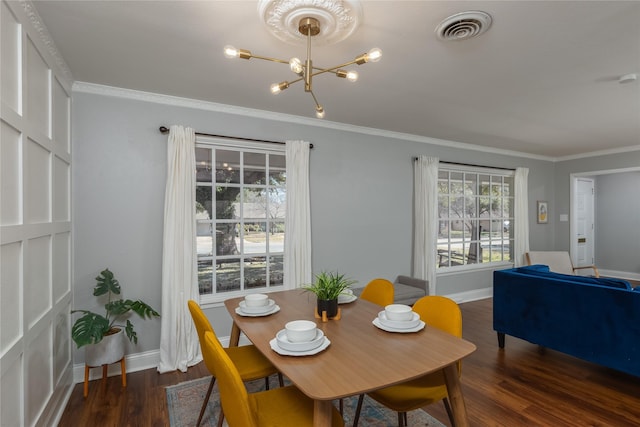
{"x": 542, "y": 80}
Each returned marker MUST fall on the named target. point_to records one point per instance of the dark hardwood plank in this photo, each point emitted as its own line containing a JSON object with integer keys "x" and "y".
{"x": 519, "y": 385}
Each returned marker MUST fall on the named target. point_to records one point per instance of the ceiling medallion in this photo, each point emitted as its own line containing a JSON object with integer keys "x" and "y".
{"x": 338, "y": 19}
{"x": 310, "y": 19}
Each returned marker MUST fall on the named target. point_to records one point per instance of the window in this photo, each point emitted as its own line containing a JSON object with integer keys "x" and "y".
{"x": 240, "y": 214}
{"x": 475, "y": 215}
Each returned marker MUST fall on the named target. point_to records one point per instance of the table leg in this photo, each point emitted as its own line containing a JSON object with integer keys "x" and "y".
{"x": 455, "y": 396}
{"x": 322, "y": 413}
{"x": 234, "y": 339}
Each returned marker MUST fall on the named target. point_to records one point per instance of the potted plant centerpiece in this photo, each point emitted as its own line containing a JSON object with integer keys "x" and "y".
{"x": 327, "y": 286}
{"x": 102, "y": 336}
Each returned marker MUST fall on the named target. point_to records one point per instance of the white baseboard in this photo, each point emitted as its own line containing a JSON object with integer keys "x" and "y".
{"x": 149, "y": 359}
{"x": 135, "y": 362}
{"x": 619, "y": 274}
{"x": 474, "y": 295}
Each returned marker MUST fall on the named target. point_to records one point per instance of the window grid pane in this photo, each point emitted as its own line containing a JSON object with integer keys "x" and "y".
{"x": 475, "y": 213}
{"x": 240, "y": 218}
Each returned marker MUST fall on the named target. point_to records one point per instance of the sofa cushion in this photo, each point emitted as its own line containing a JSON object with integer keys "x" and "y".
{"x": 536, "y": 270}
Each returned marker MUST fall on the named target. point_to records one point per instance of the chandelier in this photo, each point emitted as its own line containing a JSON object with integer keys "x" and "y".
{"x": 341, "y": 17}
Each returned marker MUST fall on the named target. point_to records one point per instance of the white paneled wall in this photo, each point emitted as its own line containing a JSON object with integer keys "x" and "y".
{"x": 35, "y": 222}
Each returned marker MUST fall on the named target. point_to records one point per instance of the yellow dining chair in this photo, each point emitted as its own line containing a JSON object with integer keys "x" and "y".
{"x": 250, "y": 363}
{"x": 438, "y": 312}
{"x": 284, "y": 406}
{"x": 378, "y": 291}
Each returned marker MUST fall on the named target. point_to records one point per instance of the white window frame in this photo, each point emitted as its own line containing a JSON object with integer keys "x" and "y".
{"x": 492, "y": 219}
{"x": 242, "y": 146}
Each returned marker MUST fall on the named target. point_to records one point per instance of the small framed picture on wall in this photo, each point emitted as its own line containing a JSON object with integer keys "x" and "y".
{"x": 543, "y": 212}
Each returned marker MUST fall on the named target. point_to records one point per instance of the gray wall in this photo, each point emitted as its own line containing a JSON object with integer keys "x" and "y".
{"x": 617, "y": 222}
{"x": 563, "y": 171}
{"x": 361, "y": 197}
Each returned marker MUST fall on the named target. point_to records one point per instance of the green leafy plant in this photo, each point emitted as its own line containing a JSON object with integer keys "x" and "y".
{"x": 92, "y": 327}
{"x": 328, "y": 285}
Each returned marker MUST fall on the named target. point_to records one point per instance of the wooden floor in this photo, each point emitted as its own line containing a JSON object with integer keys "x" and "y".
{"x": 518, "y": 386}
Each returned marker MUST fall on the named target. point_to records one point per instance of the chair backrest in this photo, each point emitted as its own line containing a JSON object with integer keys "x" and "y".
{"x": 442, "y": 313}
{"x": 202, "y": 326}
{"x": 558, "y": 261}
{"x": 378, "y": 291}
{"x": 233, "y": 393}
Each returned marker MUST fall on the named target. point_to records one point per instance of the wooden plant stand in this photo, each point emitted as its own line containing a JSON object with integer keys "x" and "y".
{"x": 104, "y": 374}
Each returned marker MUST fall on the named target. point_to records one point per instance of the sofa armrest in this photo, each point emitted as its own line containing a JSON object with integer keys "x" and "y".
{"x": 407, "y": 290}
{"x": 413, "y": 282}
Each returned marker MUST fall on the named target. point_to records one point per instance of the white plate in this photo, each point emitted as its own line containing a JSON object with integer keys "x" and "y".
{"x": 274, "y": 309}
{"x": 285, "y": 344}
{"x": 275, "y": 347}
{"x": 399, "y": 324}
{"x": 377, "y": 323}
{"x": 346, "y": 299}
{"x": 257, "y": 310}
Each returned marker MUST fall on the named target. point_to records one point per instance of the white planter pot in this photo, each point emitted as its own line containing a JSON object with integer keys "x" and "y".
{"x": 107, "y": 351}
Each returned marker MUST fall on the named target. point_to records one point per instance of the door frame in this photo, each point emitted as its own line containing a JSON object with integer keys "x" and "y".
{"x": 573, "y": 245}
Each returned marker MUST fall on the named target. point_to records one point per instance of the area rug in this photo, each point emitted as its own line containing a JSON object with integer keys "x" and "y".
{"x": 185, "y": 399}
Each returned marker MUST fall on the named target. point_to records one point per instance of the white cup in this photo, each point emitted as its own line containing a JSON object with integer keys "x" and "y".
{"x": 256, "y": 300}
{"x": 398, "y": 312}
{"x": 300, "y": 330}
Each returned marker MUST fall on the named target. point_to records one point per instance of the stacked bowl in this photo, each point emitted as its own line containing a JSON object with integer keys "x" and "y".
{"x": 299, "y": 337}
{"x": 398, "y": 318}
{"x": 256, "y": 305}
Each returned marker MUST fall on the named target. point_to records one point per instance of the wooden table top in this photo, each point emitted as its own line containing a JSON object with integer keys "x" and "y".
{"x": 360, "y": 358}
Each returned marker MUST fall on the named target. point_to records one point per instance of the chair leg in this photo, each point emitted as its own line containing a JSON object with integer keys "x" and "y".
{"x": 266, "y": 383}
{"x": 206, "y": 401}
{"x": 445, "y": 401}
{"x": 220, "y": 418}
{"x": 280, "y": 379}
{"x": 356, "y": 417}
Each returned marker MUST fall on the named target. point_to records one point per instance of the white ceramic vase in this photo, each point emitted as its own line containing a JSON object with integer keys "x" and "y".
{"x": 107, "y": 351}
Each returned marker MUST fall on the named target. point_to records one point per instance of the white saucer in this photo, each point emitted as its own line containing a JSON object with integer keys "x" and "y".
{"x": 257, "y": 310}
{"x": 241, "y": 312}
{"x": 284, "y": 343}
{"x": 346, "y": 299}
{"x": 376, "y": 322}
{"x": 399, "y": 324}
{"x": 275, "y": 347}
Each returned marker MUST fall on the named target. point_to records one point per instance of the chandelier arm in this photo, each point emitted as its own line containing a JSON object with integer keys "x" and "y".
{"x": 296, "y": 80}
{"x": 332, "y": 69}
{"x": 266, "y": 58}
{"x": 315, "y": 99}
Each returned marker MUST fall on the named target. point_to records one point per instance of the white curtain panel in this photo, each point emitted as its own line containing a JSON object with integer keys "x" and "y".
{"x": 297, "y": 238}
{"x": 425, "y": 219}
{"x": 179, "y": 346}
{"x": 521, "y": 215}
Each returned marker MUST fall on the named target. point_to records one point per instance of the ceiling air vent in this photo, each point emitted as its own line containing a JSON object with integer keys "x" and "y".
{"x": 464, "y": 25}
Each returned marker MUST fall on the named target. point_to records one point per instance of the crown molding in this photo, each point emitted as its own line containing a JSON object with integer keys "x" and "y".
{"x": 92, "y": 88}
{"x": 45, "y": 37}
{"x": 598, "y": 153}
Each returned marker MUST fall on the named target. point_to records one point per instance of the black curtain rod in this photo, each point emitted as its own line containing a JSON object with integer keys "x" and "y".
{"x": 164, "y": 129}
{"x": 472, "y": 165}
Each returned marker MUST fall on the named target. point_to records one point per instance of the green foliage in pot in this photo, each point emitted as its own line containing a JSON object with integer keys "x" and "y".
{"x": 92, "y": 327}
{"x": 328, "y": 285}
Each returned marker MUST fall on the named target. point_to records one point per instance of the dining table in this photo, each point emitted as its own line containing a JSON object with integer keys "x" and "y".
{"x": 360, "y": 357}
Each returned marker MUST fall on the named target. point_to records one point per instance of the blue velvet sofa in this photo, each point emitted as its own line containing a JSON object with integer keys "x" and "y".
{"x": 595, "y": 319}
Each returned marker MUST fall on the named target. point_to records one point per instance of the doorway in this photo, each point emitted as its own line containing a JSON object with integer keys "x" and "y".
{"x": 583, "y": 228}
